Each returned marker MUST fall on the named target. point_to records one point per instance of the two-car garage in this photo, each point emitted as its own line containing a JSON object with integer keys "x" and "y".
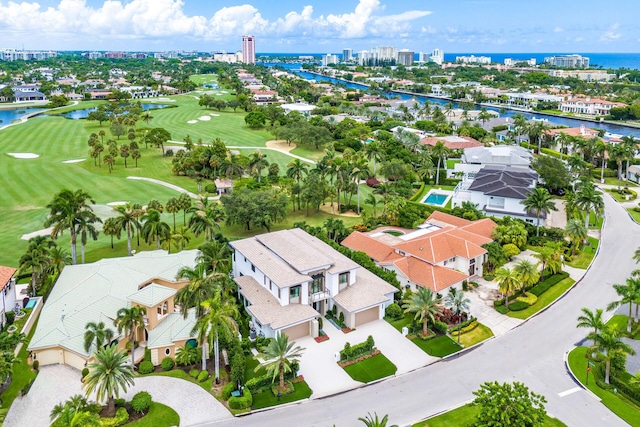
{"x": 297, "y": 331}
{"x": 366, "y": 316}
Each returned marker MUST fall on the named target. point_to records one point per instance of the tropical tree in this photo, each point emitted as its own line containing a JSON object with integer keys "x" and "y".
{"x": 588, "y": 198}
{"x": 279, "y": 355}
{"x": 374, "y": 152}
{"x": 630, "y": 145}
{"x": 591, "y": 319}
{"x": 59, "y": 258}
{"x": 65, "y": 211}
{"x": 153, "y": 228}
{"x": 539, "y": 200}
{"x": 36, "y": 259}
{"x": 374, "y": 421}
{"x": 87, "y": 230}
{"x": 536, "y": 130}
{"x": 526, "y": 272}
{"x": 509, "y": 405}
{"x": 629, "y": 294}
{"x": 425, "y": 305}
{"x": 549, "y": 257}
{"x": 440, "y": 151}
{"x": 372, "y": 201}
{"x": 608, "y": 344}
{"x": 173, "y": 207}
{"x": 508, "y": 282}
{"x": 202, "y": 286}
{"x": 112, "y": 228}
{"x": 215, "y": 255}
{"x": 458, "y": 303}
{"x": 577, "y": 233}
{"x": 297, "y": 169}
{"x": 218, "y": 320}
{"x": 360, "y": 170}
{"x": 96, "y": 333}
{"x": 184, "y": 202}
{"x": 128, "y": 221}
{"x": 127, "y": 321}
{"x": 205, "y": 217}
{"x": 109, "y": 375}
{"x": 75, "y": 412}
{"x": 618, "y": 154}
{"x": 257, "y": 162}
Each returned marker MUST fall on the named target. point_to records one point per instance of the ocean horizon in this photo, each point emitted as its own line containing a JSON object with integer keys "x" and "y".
{"x": 596, "y": 60}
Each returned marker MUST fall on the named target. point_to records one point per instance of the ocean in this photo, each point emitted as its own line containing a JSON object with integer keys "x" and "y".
{"x": 597, "y": 60}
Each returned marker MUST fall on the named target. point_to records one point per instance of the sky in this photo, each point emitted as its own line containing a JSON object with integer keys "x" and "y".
{"x": 312, "y": 26}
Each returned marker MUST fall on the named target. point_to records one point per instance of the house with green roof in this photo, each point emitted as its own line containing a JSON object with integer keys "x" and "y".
{"x": 95, "y": 292}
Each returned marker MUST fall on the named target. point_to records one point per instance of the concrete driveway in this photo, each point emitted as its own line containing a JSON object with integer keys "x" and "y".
{"x": 57, "y": 383}
{"x": 324, "y": 376}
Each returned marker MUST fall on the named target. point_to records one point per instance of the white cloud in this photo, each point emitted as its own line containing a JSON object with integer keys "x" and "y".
{"x": 429, "y": 30}
{"x": 611, "y": 34}
{"x": 558, "y": 29}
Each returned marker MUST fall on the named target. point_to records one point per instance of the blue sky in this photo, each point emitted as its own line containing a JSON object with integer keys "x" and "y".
{"x": 323, "y": 26}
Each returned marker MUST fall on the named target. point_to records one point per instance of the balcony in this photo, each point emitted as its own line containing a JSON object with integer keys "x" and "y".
{"x": 319, "y": 296}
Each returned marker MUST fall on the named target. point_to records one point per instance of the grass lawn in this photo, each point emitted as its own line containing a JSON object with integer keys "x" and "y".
{"x": 371, "y": 369}
{"x": 399, "y": 324}
{"x": 583, "y": 259}
{"x": 179, "y": 373}
{"x": 267, "y": 399}
{"x": 634, "y": 215}
{"x": 619, "y": 322}
{"x": 22, "y": 373}
{"x": 620, "y": 197}
{"x": 159, "y": 416}
{"x": 544, "y": 300}
{"x": 452, "y": 162}
{"x": 614, "y": 181}
{"x": 478, "y": 334}
{"x": 620, "y": 406}
{"x": 466, "y": 416}
{"x": 438, "y": 347}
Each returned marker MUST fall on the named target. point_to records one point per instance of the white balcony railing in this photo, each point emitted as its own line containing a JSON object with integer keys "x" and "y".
{"x": 319, "y": 296}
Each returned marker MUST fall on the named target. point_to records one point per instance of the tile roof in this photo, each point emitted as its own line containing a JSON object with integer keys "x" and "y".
{"x": 375, "y": 249}
{"x": 515, "y": 183}
{"x": 453, "y": 142}
{"x": 429, "y": 276}
{"x": 6, "y": 273}
{"x": 292, "y": 247}
{"x": 369, "y": 290}
{"x": 455, "y": 221}
{"x": 152, "y": 295}
{"x": 173, "y": 327}
{"x": 483, "y": 227}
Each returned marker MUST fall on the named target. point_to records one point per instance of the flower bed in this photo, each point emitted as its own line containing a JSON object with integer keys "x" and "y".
{"x": 347, "y": 330}
{"x": 359, "y": 359}
{"x": 322, "y": 338}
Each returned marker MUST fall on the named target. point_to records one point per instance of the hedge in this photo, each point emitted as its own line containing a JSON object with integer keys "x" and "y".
{"x": 632, "y": 393}
{"x": 542, "y": 287}
{"x": 502, "y": 309}
{"x": 528, "y": 297}
{"x": 122, "y": 416}
{"x": 463, "y": 324}
{"x": 440, "y": 327}
{"x": 468, "y": 328}
{"x": 354, "y": 351}
{"x": 243, "y": 402}
{"x": 417, "y": 194}
{"x": 518, "y": 305}
{"x": 203, "y": 376}
{"x": 227, "y": 389}
{"x": 256, "y": 383}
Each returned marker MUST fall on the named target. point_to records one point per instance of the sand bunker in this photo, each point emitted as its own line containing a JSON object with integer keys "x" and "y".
{"x": 218, "y": 94}
{"x": 204, "y": 118}
{"x": 43, "y": 232}
{"x": 191, "y": 122}
{"x": 24, "y": 155}
{"x": 117, "y": 203}
{"x": 74, "y": 161}
{"x": 214, "y": 115}
{"x": 174, "y": 148}
{"x": 223, "y": 91}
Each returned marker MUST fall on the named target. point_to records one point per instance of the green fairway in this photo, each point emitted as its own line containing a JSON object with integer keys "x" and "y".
{"x": 371, "y": 369}
{"x": 438, "y": 347}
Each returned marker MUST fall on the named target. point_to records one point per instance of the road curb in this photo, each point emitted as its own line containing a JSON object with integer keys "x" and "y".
{"x": 566, "y": 365}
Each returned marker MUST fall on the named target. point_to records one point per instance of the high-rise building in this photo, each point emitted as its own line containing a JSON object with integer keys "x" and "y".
{"x": 248, "y": 49}
{"x": 568, "y": 61}
{"x": 329, "y": 59}
{"x": 472, "y": 59}
{"x": 347, "y": 55}
{"x": 405, "y": 57}
{"x": 437, "y": 56}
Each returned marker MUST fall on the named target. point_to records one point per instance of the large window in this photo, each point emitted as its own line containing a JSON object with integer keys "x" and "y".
{"x": 317, "y": 284}
{"x": 294, "y": 292}
{"x": 343, "y": 278}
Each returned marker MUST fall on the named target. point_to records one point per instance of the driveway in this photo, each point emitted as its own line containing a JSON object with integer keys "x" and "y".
{"x": 324, "y": 376}
{"x": 57, "y": 383}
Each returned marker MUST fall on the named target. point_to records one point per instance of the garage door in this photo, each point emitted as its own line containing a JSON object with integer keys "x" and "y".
{"x": 368, "y": 315}
{"x": 298, "y": 331}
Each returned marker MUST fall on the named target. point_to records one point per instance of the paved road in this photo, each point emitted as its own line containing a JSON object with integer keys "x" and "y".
{"x": 532, "y": 353}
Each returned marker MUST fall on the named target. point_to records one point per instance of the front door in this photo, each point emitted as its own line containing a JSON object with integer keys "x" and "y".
{"x": 318, "y": 306}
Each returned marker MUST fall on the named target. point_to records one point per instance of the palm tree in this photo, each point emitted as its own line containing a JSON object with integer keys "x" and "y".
{"x": 577, "y": 233}
{"x": 601, "y": 148}
{"x": 218, "y": 320}
{"x": 109, "y": 375}
{"x": 539, "y": 200}
{"x": 37, "y": 259}
{"x": 526, "y": 272}
{"x": 201, "y": 287}
{"x": 374, "y": 421}
{"x": 591, "y": 319}
{"x": 536, "y": 130}
{"x": 630, "y": 145}
{"x": 215, "y": 255}
{"x": 375, "y": 153}
{"x": 86, "y": 230}
{"x": 297, "y": 169}
{"x": 128, "y": 222}
{"x": 173, "y": 207}
{"x": 128, "y": 320}
{"x": 184, "y": 202}
{"x": 587, "y": 198}
{"x": 628, "y": 294}
{"x": 618, "y": 154}
{"x": 257, "y": 162}
{"x": 205, "y": 218}
{"x": 458, "y": 303}
{"x": 608, "y": 343}
{"x": 359, "y": 171}
{"x": 425, "y": 305}
{"x": 112, "y": 228}
{"x": 153, "y": 228}
{"x": 98, "y": 333}
{"x": 385, "y": 189}
{"x": 280, "y": 355}
{"x": 75, "y": 412}
{"x": 549, "y": 258}
{"x": 66, "y": 209}
{"x": 520, "y": 125}
{"x": 508, "y": 282}
{"x": 373, "y": 201}
{"x": 59, "y": 258}
{"x": 440, "y": 151}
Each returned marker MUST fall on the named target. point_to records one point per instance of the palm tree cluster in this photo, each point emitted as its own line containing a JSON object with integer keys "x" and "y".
{"x": 43, "y": 258}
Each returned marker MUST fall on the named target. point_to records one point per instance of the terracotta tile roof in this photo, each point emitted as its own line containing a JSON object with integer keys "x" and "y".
{"x": 429, "y": 276}
{"x": 586, "y": 132}
{"x": 377, "y": 250}
{"x": 453, "y": 142}
{"x": 441, "y": 247}
{"x": 456, "y": 221}
{"x": 6, "y": 273}
{"x": 484, "y": 227}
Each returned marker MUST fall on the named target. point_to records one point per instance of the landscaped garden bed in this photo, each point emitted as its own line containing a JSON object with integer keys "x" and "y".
{"x": 466, "y": 415}
{"x": 364, "y": 363}
{"x": 437, "y": 346}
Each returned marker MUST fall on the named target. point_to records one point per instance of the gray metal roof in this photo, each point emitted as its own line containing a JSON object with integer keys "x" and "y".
{"x": 515, "y": 183}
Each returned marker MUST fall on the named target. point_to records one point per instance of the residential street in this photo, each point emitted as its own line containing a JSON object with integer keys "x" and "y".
{"x": 532, "y": 353}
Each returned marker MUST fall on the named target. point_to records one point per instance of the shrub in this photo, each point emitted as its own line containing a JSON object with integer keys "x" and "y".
{"x": 210, "y": 188}
{"x": 227, "y": 389}
{"x": 518, "y": 305}
{"x": 470, "y": 327}
{"x": 243, "y": 402}
{"x": 85, "y": 372}
{"x": 122, "y": 416}
{"x": 141, "y": 401}
{"x": 440, "y": 327}
{"x": 489, "y": 276}
{"x": 194, "y": 373}
{"x": 11, "y": 317}
{"x": 238, "y": 365}
{"x": 394, "y": 311}
{"x": 203, "y": 376}
{"x": 497, "y": 303}
{"x": 320, "y": 323}
{"x": 528, "y": 297}
{"x": 542, "y": 287}
{"x": 510, "y": 250}
{"x": 168, "y": 152}
{"x": 147, "y": 354}
{"x": 167, "y": 364}
{"x": 119, "y": 402}
{"x": 463, "y": 324}
{"x": 36, "y": 365}
{"x": 146, "y": 367}
{"x": 341, "y": 317}
{"x": 354, "y": 351}
{"x": 502, "y": 309}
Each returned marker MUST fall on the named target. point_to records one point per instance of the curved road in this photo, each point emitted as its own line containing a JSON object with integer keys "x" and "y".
{"x": 532, "y": 353}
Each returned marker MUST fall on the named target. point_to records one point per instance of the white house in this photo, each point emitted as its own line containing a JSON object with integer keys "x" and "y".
{"x": 7, "y": 292}
{"x": 300, "y": 107}
{"x": 475, "y": 158}
{"x": 287, "y": 279}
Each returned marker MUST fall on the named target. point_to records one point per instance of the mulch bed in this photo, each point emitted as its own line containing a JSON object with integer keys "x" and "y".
{"x": 322, "y": 338}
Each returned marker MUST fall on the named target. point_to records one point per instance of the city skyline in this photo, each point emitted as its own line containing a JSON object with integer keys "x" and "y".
{"x": 320, "y": 27}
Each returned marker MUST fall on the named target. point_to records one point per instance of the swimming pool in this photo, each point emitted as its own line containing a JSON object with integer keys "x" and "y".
{"x": 31, "y": 303}
{"x": 436, "y": 199}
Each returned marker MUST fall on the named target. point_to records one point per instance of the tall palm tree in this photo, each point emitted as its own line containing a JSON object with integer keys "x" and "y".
{"x": 591, "y": 319}
{"x": 539, "y": 200}
{"x": 297, "y": 169}
{"x": 96, "y": 333}
{"x": 112, "y": 228}
{"x": 59, "y": 258}
{"x": 128, "y": 222}
{"x": 629, "y": 294}
{"x": 577, "y": 233}
{"x": 65, "y": 210}
{"x": 201, "y": 287}
{"x": 205, "y": 218}
{"x": 109, "y": 375}
{"x": 153, "y": 228}
{"x": 173, "y": 207}
{"x": 440, "y": 151}
{"x": 375, "y": 153}
{"x": 588, "y": 197}
{"x": 360, "y": 170}
{"x": 630, "y": 145}
{"x": 526, "y": 272}
{"x": 385, "y": 189}
{"x": 37, "y": 259}
{"x": 549, "y": 258}
{"x": 87, "y": 230}
{"x": 601, "y": 148}
{"x": 279, "y": 355}
{"x": 536, "y": 130}
{"x": 519, "y": 125}
{"x": 215, "y": 255}
{"x": 257, "y": 162}
{"x": 374, "y": 421}
{"x": 372, "y": 200}
{"x": 128, "y": 320}
{"x": 618, "y": 154}
{"x": 508, "y": 282}
{"x": 218, "y": 320}
{"x": 608, "y": 343}
{"x": 425, "y": 305}
{"x": 458, "y": 303}
{"x": 184, "y": 201}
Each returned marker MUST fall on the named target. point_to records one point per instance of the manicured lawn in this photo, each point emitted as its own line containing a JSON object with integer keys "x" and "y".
{"x": 583, "y": 259}
{"x": 179, "y": 373}
{"x": 22, "y": 373}
{"x": 620, "y": 406}
{"x": 634, "y": 215}
{"x": 621, "y": 197}
{"x": 267, "y": 399}
{"x": 399, "y": 324}
{"x": 438, "y": 347}
{"x": 250, "y": 365}
{"x": 614, "y": 181}
{"x": 619, "y": 322}
{"x": 371, "y": 369}
{"x": 451, "y": 163}
{"x": 478, "y": 334}
{"x": 466, "y": 415}
{"x": 544, "y": 300}
{"x": 159, "y": 416}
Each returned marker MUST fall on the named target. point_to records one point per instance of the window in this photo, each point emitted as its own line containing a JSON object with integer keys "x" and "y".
{"x": 472, "y": 261}
{"x": 343, "y": 278}
{"x": 253, "y": 268}
{"x": 294, "y": 292}
{"x": 167, "y": 351}
{"x": 317, "y": 284}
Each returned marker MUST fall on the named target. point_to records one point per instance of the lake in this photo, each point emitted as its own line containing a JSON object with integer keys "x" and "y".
{"x": 84, "y": 113}
{"x": 8, "y": 116}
